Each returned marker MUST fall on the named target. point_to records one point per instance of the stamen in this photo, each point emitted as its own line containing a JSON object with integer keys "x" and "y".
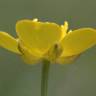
{"x": 35, "y": 19}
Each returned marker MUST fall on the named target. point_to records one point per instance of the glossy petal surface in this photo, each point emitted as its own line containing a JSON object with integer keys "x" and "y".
{"x": 38, "y": 36}
{"x": 78, "y": 41}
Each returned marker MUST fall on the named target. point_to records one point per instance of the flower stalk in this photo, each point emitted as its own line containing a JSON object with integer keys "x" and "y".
{"x": 44, "y": 78}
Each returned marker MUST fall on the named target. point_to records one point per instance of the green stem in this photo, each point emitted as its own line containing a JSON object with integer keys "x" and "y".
{"x": 44, "y": 78}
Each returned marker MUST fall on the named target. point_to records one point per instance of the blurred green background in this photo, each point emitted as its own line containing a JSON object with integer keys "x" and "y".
{"x": 20, "y": 79}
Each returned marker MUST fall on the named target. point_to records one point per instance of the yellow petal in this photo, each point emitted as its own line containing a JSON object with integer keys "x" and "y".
{"x": 8, "y": 42}
{"x": 38, "y": 36}
{"x": 78, "y": 41}
{"x": 27, "y": 56}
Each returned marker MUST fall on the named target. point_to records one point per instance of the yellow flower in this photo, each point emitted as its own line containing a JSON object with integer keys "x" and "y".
{"x": 46, "y": 40}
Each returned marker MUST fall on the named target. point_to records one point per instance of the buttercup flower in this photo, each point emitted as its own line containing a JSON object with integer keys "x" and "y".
{"x": 46, "y": 40}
